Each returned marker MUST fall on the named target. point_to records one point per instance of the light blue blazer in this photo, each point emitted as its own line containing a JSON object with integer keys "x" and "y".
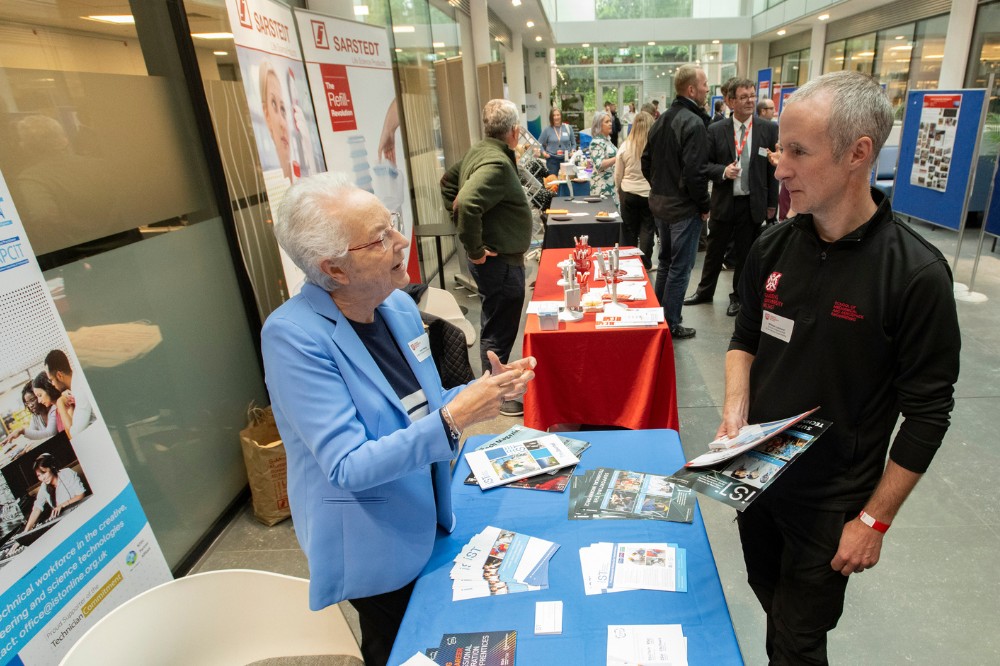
{"x": 367, "y": 487}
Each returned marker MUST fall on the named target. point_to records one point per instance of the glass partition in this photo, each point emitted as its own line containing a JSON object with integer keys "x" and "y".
{"x": 104, "y": 160}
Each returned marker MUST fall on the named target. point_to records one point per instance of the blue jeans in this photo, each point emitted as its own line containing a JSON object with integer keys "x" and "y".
{"x": 678, "y": 250}
{"x": 501, "y": 291}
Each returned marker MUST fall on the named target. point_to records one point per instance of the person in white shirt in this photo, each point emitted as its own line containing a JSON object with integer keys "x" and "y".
{"x": 59, "y": 489}
{"x": 60, "y": 372}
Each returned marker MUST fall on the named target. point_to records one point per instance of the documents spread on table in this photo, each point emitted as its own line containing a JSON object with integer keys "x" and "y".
{"x": 555, "y": 481}
{"x": 614, "y": 493}
{"x": 512, "y": 461}
{"x": 632, "y": 268}
{"x": 498, "y": 561}
{"x": 646, "y": 645}
{"x": 632, "y": 318}
{"x": 619, "y": 567}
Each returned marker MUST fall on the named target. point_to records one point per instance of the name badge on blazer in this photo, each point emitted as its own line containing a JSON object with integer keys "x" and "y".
{"x": 420, "y": 346}
{"x": 762, "y": 151}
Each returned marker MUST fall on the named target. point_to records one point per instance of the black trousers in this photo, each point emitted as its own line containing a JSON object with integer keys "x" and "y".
{"x": 787, "y": 550}
{"x": 638, "y": 226}
{"x": 741, "y": 231}
{"x": 501, "y": 291}
{"x": 380, "y": 617}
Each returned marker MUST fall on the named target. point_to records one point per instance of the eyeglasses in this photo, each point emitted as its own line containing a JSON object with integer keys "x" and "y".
{"x": 395, "y": 224}
{"x": 747, "y": 98}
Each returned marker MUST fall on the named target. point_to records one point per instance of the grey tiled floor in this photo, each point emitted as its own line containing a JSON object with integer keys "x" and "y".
{"x": 933, "y": 597}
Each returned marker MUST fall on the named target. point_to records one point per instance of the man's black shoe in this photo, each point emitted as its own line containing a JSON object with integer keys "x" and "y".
{"x": 697, "y": 299}
{"x": 733, "y": 309}
{"x": 681, "y": 333}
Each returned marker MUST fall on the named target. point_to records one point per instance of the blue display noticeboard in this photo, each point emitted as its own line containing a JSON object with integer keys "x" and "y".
{"x": 937, "y": 149}
{"x": 992, "y": 221}
{"x": 764, "y": 77}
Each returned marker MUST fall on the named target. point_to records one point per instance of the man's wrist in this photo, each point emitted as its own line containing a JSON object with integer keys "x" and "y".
{"x": 871, "y": 522}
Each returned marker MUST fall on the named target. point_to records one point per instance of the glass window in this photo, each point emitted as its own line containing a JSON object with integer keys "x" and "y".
{"x": 892, "y": 64}
{"x": 928, "y": 52}
{"x": 860, "y": 53}
{"x": 630, "y": 9}
{"x": 833, "y": 59}
{"x": 622, "y": 55}
{"x": 574, "y": 56}
{"x": 673, "y": 53}
{"x": 984, "y": 56}
{"x": 103, "y": 157}
{"x": 775, "y": 65}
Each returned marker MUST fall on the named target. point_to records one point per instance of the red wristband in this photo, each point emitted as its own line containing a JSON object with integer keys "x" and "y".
{"x": 876, "y": 525}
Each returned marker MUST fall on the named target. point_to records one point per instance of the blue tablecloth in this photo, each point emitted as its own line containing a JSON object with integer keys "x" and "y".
{"x": 701, "y": 611}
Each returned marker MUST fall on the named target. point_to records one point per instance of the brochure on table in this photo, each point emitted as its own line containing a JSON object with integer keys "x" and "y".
{"x": 74, "y": 565}
{"x": 555, "y": 481}
{"x": 498, "y": 465}
{"x": 281, "y": 111}
{"x": 605, "y": 493}
{"x": 498, "y": 561}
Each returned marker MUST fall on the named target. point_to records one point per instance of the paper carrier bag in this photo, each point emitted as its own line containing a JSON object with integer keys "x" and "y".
{"x": 264, "y": 455}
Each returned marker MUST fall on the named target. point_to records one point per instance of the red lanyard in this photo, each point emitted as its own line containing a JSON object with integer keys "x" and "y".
{"x": 741, "y": 145}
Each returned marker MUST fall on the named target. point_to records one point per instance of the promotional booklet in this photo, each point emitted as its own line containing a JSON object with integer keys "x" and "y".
{"x": 505, "y": 463}
{"x": 750, "y": 437}
{"x": 483, "y": 648}
{"x": 739, "y": 480}
{"x": 552, "y": 481}
{"x": 614, "y": 493}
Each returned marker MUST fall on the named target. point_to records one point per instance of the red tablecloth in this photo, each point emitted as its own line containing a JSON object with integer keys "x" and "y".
{"x": 622, "y": 377}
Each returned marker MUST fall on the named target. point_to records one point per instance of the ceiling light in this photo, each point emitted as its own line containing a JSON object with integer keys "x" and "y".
{"x": 715, "y": 41}
{"x": 212, "y": 35}
{"x": 399, "y": 50}
{"x": 650, "y": 43}
{"x": 516, "y": 3}
{"x": 361, "y": 10}
{"x": 530, "y": 24}
{"x": 438, "y": 45}
{"x": 117, "y": 19}
{"x": 538, "y": 38}
{"x": 220, "y": 53}
{"x": 936, "y": 56}
{"x": 403, "y": 28}
{"x": 781, "y": 32}
{"x": 823, "y": 17}
{"x": 586, "y": 46}
{"x": 865, "y": 54}
{"x": 899, "y": 37}
{"x": 903, "y": 47}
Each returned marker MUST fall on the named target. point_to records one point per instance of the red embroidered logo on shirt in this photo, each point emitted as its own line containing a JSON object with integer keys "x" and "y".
{"x": 846, "y": 311}
{"x": 772, "y": 282}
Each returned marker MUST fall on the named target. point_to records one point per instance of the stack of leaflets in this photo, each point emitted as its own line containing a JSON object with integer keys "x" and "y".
{"x": 617, "y": 567}
{"x": 633, "y": 644}
{"x": 554, "y": 481}
{"x": 512, "y": 461}
{"x": 614, "y": 493}
{"x": 736, "y": 472}
{"x": 499, "y": 561}
{"x": 484, "y": 648}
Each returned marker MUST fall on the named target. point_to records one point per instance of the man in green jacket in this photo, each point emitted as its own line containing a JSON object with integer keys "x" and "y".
{"x": 494, "y": 224}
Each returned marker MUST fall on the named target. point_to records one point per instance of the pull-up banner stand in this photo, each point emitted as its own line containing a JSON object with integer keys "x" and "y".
{"x": 938, "y": 152}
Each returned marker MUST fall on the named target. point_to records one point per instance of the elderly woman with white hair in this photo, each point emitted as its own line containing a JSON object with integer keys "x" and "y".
{"x": 604, "y": 154}
{"x": 368, "y": 429}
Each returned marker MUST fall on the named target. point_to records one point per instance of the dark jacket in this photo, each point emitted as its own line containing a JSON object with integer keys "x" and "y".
{"x": 874, "y": 334}
{"x": 722, "y": 152}
{"x": 674, "y": 161}
{"x": 490, "y": 207}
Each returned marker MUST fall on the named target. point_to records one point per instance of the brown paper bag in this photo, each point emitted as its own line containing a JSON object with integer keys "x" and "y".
{"x": 264, "y": 455}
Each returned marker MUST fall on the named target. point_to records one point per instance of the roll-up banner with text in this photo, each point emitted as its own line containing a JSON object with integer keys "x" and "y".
{"x": 74, "y": 541}
{"x": 274, "y": 80}
{"x": 349, "y": 65}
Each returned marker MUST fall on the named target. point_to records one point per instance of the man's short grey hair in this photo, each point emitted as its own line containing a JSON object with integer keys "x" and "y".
{"x": 595, "y": 127}
{"x": 499, "y": 118}
{"x": 307, "y": 228}
{"x": 859, "y": 107}
{"x": 687, "y": 75}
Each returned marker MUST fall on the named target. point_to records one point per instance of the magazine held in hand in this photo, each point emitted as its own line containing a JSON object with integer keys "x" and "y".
{"x": 736, "y": 471}
{"x": 512, "y": 461}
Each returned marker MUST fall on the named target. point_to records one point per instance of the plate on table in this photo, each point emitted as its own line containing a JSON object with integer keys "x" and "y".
{"x": 605, "y": 218}
{"x": 593, "y": 199}
{"x": 560, "y": 218}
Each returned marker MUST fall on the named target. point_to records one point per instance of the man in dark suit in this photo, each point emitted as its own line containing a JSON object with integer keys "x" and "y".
{"x": 744, "y": 191}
